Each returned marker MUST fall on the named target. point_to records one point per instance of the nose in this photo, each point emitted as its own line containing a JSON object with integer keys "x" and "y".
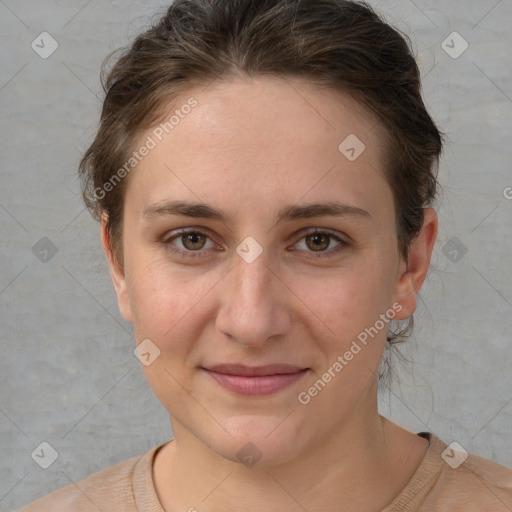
{"x": 255, "y": 303}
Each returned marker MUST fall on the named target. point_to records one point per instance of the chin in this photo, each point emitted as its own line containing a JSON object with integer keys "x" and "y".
{"x": 257, "y": 441}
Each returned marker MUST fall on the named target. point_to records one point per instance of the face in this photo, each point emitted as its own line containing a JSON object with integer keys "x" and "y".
{"x": 259, "y": 276}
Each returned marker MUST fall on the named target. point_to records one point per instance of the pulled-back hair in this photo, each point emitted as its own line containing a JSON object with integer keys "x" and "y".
{"x": 341, "y": 44}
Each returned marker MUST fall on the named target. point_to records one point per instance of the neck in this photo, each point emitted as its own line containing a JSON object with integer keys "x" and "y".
{"x": 367, "y": 452}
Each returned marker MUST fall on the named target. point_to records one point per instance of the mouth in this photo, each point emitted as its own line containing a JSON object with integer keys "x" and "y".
{"x": 255, "y": 380}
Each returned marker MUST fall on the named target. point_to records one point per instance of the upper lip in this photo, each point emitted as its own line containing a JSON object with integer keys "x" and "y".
{"x": 253, "y": 371}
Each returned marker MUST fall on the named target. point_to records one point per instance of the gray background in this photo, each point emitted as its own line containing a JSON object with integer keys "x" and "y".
{"x": 68, "y": 375}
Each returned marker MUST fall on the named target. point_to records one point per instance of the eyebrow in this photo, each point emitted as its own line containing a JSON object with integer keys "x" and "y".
{"x": 287, "y": 213}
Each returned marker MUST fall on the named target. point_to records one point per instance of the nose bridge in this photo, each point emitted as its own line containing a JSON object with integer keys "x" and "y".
{"x": 253, "y": 279}
{"x": 253, "y": 287}
{"x": 252, "y": 309}
{"x": 252, "y": 273}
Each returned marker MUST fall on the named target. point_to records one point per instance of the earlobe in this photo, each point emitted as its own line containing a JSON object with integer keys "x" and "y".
{"x": 116, "y": 273}
{"x": 413, "y": 272}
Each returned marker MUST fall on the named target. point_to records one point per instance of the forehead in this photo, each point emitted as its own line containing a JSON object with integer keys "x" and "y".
{"x": 262, "y": 135}
{"x": 264, "y": 107}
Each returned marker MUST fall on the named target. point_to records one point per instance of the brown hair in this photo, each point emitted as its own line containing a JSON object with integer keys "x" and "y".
{"x": 341, "y": 44}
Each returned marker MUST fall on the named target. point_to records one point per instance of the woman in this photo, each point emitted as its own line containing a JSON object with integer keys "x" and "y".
{"x": 264, "y": 174}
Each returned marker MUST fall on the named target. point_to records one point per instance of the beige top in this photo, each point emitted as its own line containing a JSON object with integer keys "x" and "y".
{"x": 475, "y": 485}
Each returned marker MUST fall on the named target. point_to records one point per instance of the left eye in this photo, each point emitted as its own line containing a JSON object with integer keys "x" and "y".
{"x": 320, "y": 241}
{"x": 194, "y": 241}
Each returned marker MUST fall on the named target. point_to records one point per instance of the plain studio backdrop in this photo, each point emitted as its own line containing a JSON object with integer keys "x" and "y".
{"x": 68, "y": 375}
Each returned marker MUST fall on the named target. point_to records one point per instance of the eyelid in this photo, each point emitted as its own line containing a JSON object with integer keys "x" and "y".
{"x": 321, "y": 231}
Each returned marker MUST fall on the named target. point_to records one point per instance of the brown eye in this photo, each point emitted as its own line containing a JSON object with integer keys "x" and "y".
{"x": 318, "y": 241}
{"x": 321, "y": 244}
{"x": 193, "y": 241}
{"x": 188, "y": 243}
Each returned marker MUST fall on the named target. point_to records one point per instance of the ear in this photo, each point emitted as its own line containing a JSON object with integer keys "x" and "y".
{"x": 116, "y": 273}
{"x": 412, "y": 272}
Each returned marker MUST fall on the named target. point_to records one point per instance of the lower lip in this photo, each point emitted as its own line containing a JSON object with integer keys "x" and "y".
{"x": 256, "y": 386}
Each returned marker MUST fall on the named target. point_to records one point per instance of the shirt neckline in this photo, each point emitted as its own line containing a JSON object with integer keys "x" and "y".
{"x": 143, "y": 485}
{"x": 146, "y": 498}
{"x": 430, "y": 465}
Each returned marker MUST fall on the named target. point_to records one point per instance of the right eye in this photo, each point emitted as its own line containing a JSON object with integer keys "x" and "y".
{"x": 191, "y": 240}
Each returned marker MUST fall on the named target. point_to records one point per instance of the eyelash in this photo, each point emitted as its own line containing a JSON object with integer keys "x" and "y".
{"x": 167, "y": 242}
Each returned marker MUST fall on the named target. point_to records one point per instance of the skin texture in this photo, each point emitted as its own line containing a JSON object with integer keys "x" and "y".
{"x": 249, "y": 148}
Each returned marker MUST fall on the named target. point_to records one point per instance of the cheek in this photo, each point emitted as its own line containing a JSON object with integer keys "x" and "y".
{"x": 167, "y": 302}
{"x": 169, "y": 308}
{"x": 346, "y": 300}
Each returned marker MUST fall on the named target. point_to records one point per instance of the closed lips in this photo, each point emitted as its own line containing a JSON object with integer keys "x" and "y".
{"x": 255, "y": 371}
{"x": 255, "y": 380}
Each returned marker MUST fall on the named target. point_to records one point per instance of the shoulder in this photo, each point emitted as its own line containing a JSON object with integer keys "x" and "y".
{"x": 466, "y": 481}
{"x": 109, "y": 489}
{"x": 479, "y": 483}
